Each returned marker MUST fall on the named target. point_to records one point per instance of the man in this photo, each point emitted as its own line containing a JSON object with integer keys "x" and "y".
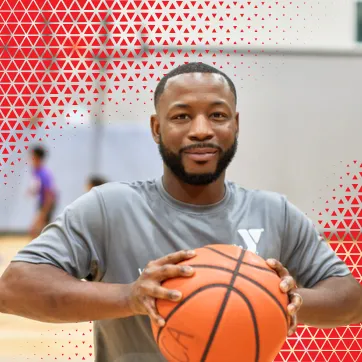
{"x": 94, "y": 181}
{"x": 113, "y": 232}
{"x": 44, "y": 189}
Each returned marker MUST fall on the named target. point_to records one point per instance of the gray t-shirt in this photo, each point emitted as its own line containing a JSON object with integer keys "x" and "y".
{"x": 112, "y": 232}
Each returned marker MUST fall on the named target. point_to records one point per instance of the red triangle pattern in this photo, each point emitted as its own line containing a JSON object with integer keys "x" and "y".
{"x": 55, "y": 49}
{"x": 52, "y": 58}
{"x": 341, "y": 222}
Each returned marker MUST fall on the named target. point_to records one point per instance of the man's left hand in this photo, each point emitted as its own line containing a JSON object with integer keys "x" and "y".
{"x": 289, "y": 286}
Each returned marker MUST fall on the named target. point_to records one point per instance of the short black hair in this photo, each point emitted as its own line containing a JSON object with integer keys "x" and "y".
{"x": 39, "y": 152}
{"x": 96, "y": 180}
{"x": 194, "y": 67}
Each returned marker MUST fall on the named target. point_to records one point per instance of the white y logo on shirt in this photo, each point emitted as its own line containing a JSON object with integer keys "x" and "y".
{"x": 251, "y": 238}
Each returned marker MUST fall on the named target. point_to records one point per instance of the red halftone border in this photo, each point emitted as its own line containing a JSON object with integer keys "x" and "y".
{"x": 57, "y": 57}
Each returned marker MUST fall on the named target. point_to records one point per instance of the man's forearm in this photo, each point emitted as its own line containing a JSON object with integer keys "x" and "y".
{"x": 332, "y": 303}
{"x": 48, "y": 294}
{"x": 47, "y": 206}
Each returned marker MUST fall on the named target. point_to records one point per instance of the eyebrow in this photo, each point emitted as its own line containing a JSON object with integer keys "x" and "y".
{"x": 183, "y": 105}
{"x": 180, "y": 105}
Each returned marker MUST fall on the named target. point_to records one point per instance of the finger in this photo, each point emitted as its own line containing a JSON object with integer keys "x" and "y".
{"x": 293, "y": 325}
{"x": 153, "y": 303}
{"x": 156, "y": 291}
{"x": 278, "y": 267}
{"x": 175, "y": 258}
{"x": 150, "y": 307}
{"x": 287, "y": 284}
{"x": 296, "y": 302}
{"x": 292, "y": 310}
{"x": 168, "y": 271}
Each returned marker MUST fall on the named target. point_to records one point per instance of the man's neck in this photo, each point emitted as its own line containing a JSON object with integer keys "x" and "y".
{"x": 196, "y": 195}
{"x": 38, "y": 166}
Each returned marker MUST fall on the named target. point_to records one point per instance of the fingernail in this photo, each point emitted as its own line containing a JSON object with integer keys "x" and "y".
{"x": 191, "y": 253}
{"x": 271, "y": 262}
{"x": 187, "y": 269}
{"x": 291, "y": 309}
{"x": 176, "y": 295}
{"x": 285, "y": 285}
{"x": 161, "y": 322}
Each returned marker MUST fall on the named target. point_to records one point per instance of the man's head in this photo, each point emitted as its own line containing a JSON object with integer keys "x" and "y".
{"x": 38, "y": 155}
{"x": 196, "y": 123}
{"x": 94, "y": 181}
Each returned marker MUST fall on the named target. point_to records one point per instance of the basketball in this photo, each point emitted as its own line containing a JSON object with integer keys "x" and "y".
{"x": 232, "y": 310}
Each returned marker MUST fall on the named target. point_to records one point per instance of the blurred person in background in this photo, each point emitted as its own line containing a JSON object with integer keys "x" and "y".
{"x": 43, "y": 189}
{"x": 94, "y": 181}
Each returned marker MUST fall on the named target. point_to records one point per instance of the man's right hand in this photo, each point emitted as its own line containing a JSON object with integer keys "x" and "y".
{"x": 147, "y": 287}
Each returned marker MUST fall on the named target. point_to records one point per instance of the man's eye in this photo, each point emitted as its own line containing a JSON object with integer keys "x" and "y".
{"x": 218, "y": 115}
{"x": 181, "y": 116}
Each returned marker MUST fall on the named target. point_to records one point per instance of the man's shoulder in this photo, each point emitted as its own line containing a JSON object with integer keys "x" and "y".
{"x": 44, "y": 174}
{"x": 258, "y": 197}
{"x": 117, "y": 191}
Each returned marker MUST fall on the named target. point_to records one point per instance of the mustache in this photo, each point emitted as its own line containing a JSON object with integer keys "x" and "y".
{"x": 200, "y": 145}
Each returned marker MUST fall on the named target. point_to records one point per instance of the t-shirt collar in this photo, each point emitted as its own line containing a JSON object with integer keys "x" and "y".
{"x": 186, "y": 207}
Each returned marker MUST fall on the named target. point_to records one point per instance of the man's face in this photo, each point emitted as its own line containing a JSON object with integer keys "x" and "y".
{"x": 35, "y": 161}
{"x": 196, "y": 127}
{"x": 88, "y": 187}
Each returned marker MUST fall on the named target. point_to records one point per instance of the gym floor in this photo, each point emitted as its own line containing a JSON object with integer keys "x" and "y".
{"x": 27, "y": 340}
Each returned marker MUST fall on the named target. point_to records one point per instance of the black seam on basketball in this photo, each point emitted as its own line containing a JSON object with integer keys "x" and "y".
{"x": 223, "y": 306}
{"x": 227, "y": 287}
{"x": 220, "y": 253}
{"x": 255, "y": 323}
{"x": 243, "y": 263}
{"x": 179, "y": 305}
{"x": 264, "y": 289}
{"x": 258, "y": 267}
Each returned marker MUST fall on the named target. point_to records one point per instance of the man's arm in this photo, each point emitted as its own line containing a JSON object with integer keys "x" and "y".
{"x": 331, "y": 303}
{"x": 72, "y": 248}
{"x": 331, "y": 296}
{"x": 336, "y": 301}
{"x": 48, "y": 294}
{"x": 40, "y": 220}
{"x": 48, "y": 204}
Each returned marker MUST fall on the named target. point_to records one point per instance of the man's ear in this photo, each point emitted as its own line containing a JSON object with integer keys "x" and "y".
{"x": 155, "y": 128}
{"x": 237, "y": 123}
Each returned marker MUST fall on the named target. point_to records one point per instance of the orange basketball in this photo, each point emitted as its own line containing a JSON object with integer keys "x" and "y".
{"x": 232, "y": 310}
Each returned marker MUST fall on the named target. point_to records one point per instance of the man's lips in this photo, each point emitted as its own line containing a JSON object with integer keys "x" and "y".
{"x": 201, "y": 154}
{"x": 201, "y": 150}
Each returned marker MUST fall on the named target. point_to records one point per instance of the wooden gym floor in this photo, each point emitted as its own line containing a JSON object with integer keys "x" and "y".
{"x": 27, "y": 340}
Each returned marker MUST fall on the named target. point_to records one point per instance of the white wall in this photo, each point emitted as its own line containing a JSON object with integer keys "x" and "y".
{"x": 324, "y": 23}
{"x": 301, "y": 115}
{"x": 301, "y": 124}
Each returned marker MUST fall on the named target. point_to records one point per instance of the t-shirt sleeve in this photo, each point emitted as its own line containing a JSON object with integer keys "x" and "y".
{"x": 305, "y": 254}
{"x": 46, "y": 181}
{"x": 75, "y": 241}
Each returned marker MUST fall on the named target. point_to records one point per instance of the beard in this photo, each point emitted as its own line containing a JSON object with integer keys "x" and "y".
{"x": 174, "y": 162}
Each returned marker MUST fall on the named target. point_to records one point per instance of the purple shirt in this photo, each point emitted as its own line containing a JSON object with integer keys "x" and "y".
{"x": 45, "y": 182}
